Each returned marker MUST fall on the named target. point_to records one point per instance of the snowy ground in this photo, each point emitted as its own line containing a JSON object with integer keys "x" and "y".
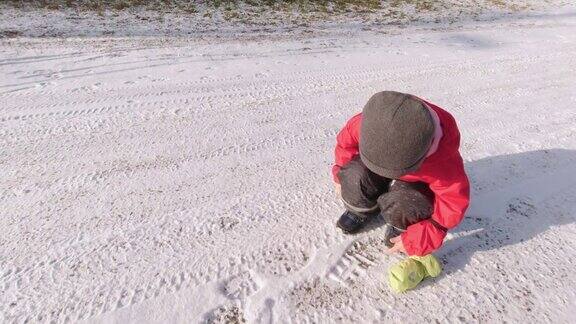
{"x": 233, "y": 19}
{"x": 169, "y": 180}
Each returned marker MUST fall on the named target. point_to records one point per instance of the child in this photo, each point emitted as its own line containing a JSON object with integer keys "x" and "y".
{"x": 399, "y": 158}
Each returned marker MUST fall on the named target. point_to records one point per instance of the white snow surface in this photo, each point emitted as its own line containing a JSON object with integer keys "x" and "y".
{"x": 173, "y": 180}
{"x": 256, "y": 21}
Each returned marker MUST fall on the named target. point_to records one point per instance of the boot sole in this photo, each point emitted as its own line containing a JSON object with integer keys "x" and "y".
{"x": 346, "y": 231}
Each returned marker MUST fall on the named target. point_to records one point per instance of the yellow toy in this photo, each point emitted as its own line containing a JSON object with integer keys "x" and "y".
{"x": 408, "y": 273}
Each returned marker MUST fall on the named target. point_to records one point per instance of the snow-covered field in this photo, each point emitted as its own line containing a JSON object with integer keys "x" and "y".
{"x": 172, "y": 180}
{"x": 247, "y": 18}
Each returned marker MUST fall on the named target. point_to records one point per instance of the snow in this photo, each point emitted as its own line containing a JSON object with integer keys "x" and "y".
{"x": 180, "y": 180}
{"x": 236, "y": 19}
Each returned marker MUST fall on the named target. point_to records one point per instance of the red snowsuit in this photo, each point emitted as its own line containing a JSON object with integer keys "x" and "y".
{"x": 443, "y": 171}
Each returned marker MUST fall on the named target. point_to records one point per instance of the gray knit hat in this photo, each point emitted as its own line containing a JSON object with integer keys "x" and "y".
{"x": 397, "y": 131}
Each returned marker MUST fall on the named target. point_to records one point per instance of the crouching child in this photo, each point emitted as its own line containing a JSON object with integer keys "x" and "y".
{"x": 399, "y": 159}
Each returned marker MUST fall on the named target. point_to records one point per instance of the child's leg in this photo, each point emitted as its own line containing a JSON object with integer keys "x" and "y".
{"x": 361, "y": 187}
{"x": 406, "y": 203}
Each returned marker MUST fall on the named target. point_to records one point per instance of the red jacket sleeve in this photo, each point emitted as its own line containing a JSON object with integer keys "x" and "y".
{"x": 451, "y": 199}
{"x": 346, "y": 144}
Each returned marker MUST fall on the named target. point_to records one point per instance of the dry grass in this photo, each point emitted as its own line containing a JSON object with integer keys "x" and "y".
{"x": 298, "y": 12}
{"x": 98, "y": 5}
{"x": 303, "y": 6}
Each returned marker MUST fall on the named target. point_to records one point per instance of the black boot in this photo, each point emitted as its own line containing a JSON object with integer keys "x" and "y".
{"x": 391, "y": 232}
{"x": 350, "y": 223}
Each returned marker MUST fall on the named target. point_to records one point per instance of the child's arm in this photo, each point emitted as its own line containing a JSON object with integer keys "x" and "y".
{"x": 346, "y": 144}
{"x": 452, "y": 196}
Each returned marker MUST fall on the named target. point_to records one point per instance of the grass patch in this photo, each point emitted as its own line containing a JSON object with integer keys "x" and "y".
{"x": 99, "y": 5}
{"x": 272, "y": 12}
{"x": 191, "y": 6}
{"x": 185, "y": 6}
